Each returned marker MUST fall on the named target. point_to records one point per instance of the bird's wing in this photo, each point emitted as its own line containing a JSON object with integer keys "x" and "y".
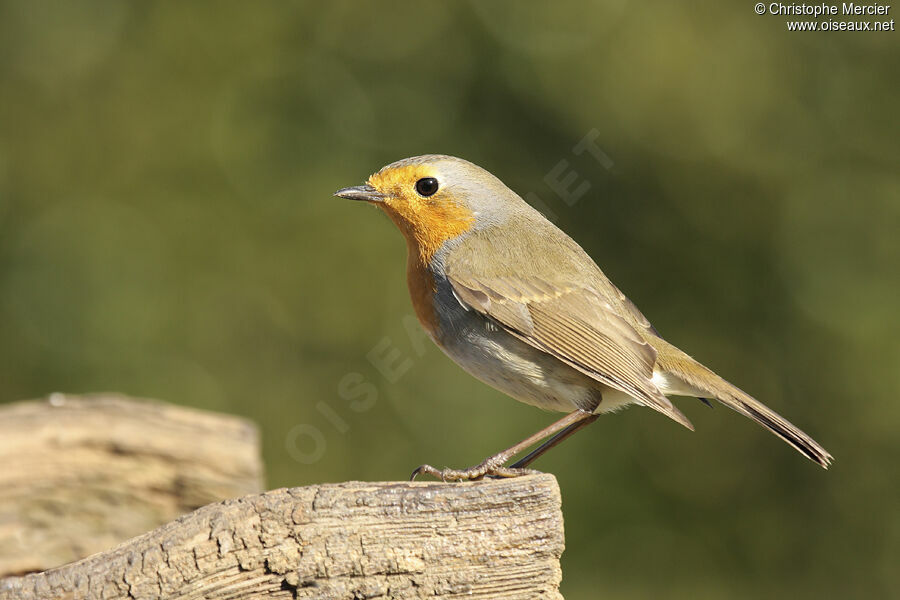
{"x": 571, "y": 322}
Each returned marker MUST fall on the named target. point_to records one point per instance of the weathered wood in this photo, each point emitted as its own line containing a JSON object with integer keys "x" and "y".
{"x": 498, "y": 539}
{"x": 79, "y": 475}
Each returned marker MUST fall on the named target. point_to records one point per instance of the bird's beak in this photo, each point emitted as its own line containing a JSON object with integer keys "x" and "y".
{"x": 366, "y": 193}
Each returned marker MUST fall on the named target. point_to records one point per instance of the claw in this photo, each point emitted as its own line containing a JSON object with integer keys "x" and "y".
{"x": 423, "y": 470}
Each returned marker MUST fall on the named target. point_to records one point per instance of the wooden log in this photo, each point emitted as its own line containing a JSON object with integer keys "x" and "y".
{"x": 82, "y": 474}
{"x": 494, "y": 539}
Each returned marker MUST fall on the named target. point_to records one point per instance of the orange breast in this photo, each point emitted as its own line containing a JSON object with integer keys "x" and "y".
{"x": 421, "y": 291}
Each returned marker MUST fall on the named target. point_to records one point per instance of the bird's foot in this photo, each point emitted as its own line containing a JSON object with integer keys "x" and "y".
{"x": 489, "y": 468}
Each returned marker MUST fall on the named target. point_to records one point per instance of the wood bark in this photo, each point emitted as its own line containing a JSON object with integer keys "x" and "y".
{"x": 498, "y": 539}
{"x": 81, "y": 474}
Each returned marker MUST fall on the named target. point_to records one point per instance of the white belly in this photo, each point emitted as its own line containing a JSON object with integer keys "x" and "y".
{"x": 515, "y": 368}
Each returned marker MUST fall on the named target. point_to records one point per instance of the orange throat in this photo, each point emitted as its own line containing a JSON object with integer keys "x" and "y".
{"x": 427, "y": 228}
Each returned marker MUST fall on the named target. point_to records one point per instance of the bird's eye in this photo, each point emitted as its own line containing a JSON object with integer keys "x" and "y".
{"x": 427, "y": 186}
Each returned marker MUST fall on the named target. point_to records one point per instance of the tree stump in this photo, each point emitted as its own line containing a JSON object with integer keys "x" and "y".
{"x": 493, "y": 539}
{"x": 82, "y": 474}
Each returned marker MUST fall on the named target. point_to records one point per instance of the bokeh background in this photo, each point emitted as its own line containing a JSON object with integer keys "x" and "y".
{"x": 167, "y": 230}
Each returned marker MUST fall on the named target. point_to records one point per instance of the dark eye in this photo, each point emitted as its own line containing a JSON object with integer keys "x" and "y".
{"x": 426, "y": 186}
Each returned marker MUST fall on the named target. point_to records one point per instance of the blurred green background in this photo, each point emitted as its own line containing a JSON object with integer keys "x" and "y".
{"x": 167, "y": 230}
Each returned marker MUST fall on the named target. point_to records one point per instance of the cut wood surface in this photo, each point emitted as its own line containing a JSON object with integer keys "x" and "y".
{"x": 81, "y": 474}
{"x": 498, "y": 539}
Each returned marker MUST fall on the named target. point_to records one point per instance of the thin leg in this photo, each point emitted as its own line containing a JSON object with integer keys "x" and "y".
{"x": 493, "y": 465}
{"x": 556, "y": 439}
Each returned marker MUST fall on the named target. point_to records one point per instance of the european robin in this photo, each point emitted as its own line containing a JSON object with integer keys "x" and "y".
{"x": 518, "y": 304}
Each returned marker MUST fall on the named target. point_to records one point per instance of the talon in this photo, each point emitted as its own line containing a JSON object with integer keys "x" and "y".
{"x": 425, "y": 470}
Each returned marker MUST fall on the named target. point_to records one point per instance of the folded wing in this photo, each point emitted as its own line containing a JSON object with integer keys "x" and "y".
{"x": 571, "y": 322}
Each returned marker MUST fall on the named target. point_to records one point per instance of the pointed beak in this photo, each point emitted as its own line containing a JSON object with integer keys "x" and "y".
{"x": 366, "y": 193}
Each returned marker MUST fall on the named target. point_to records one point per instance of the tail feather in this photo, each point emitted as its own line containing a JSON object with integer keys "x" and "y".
{"x": 704, "y": 383}
{"x": 771, "y": 420}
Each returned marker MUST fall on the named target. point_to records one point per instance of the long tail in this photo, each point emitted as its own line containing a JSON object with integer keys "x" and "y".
{"x": 704, "y": 383}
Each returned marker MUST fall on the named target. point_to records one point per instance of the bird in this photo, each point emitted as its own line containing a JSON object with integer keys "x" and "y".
{"x": 518, "y": 304}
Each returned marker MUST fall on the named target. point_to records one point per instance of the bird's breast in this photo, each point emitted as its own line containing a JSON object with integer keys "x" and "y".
{"x": 422, "y": 289}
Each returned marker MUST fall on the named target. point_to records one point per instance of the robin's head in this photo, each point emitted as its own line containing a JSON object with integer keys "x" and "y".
{"x": 433, "y": 198}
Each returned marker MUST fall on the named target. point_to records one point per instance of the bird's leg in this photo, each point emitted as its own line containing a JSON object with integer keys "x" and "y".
{"x": 556, "y": 439}
{"x": 493, "y": 465}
